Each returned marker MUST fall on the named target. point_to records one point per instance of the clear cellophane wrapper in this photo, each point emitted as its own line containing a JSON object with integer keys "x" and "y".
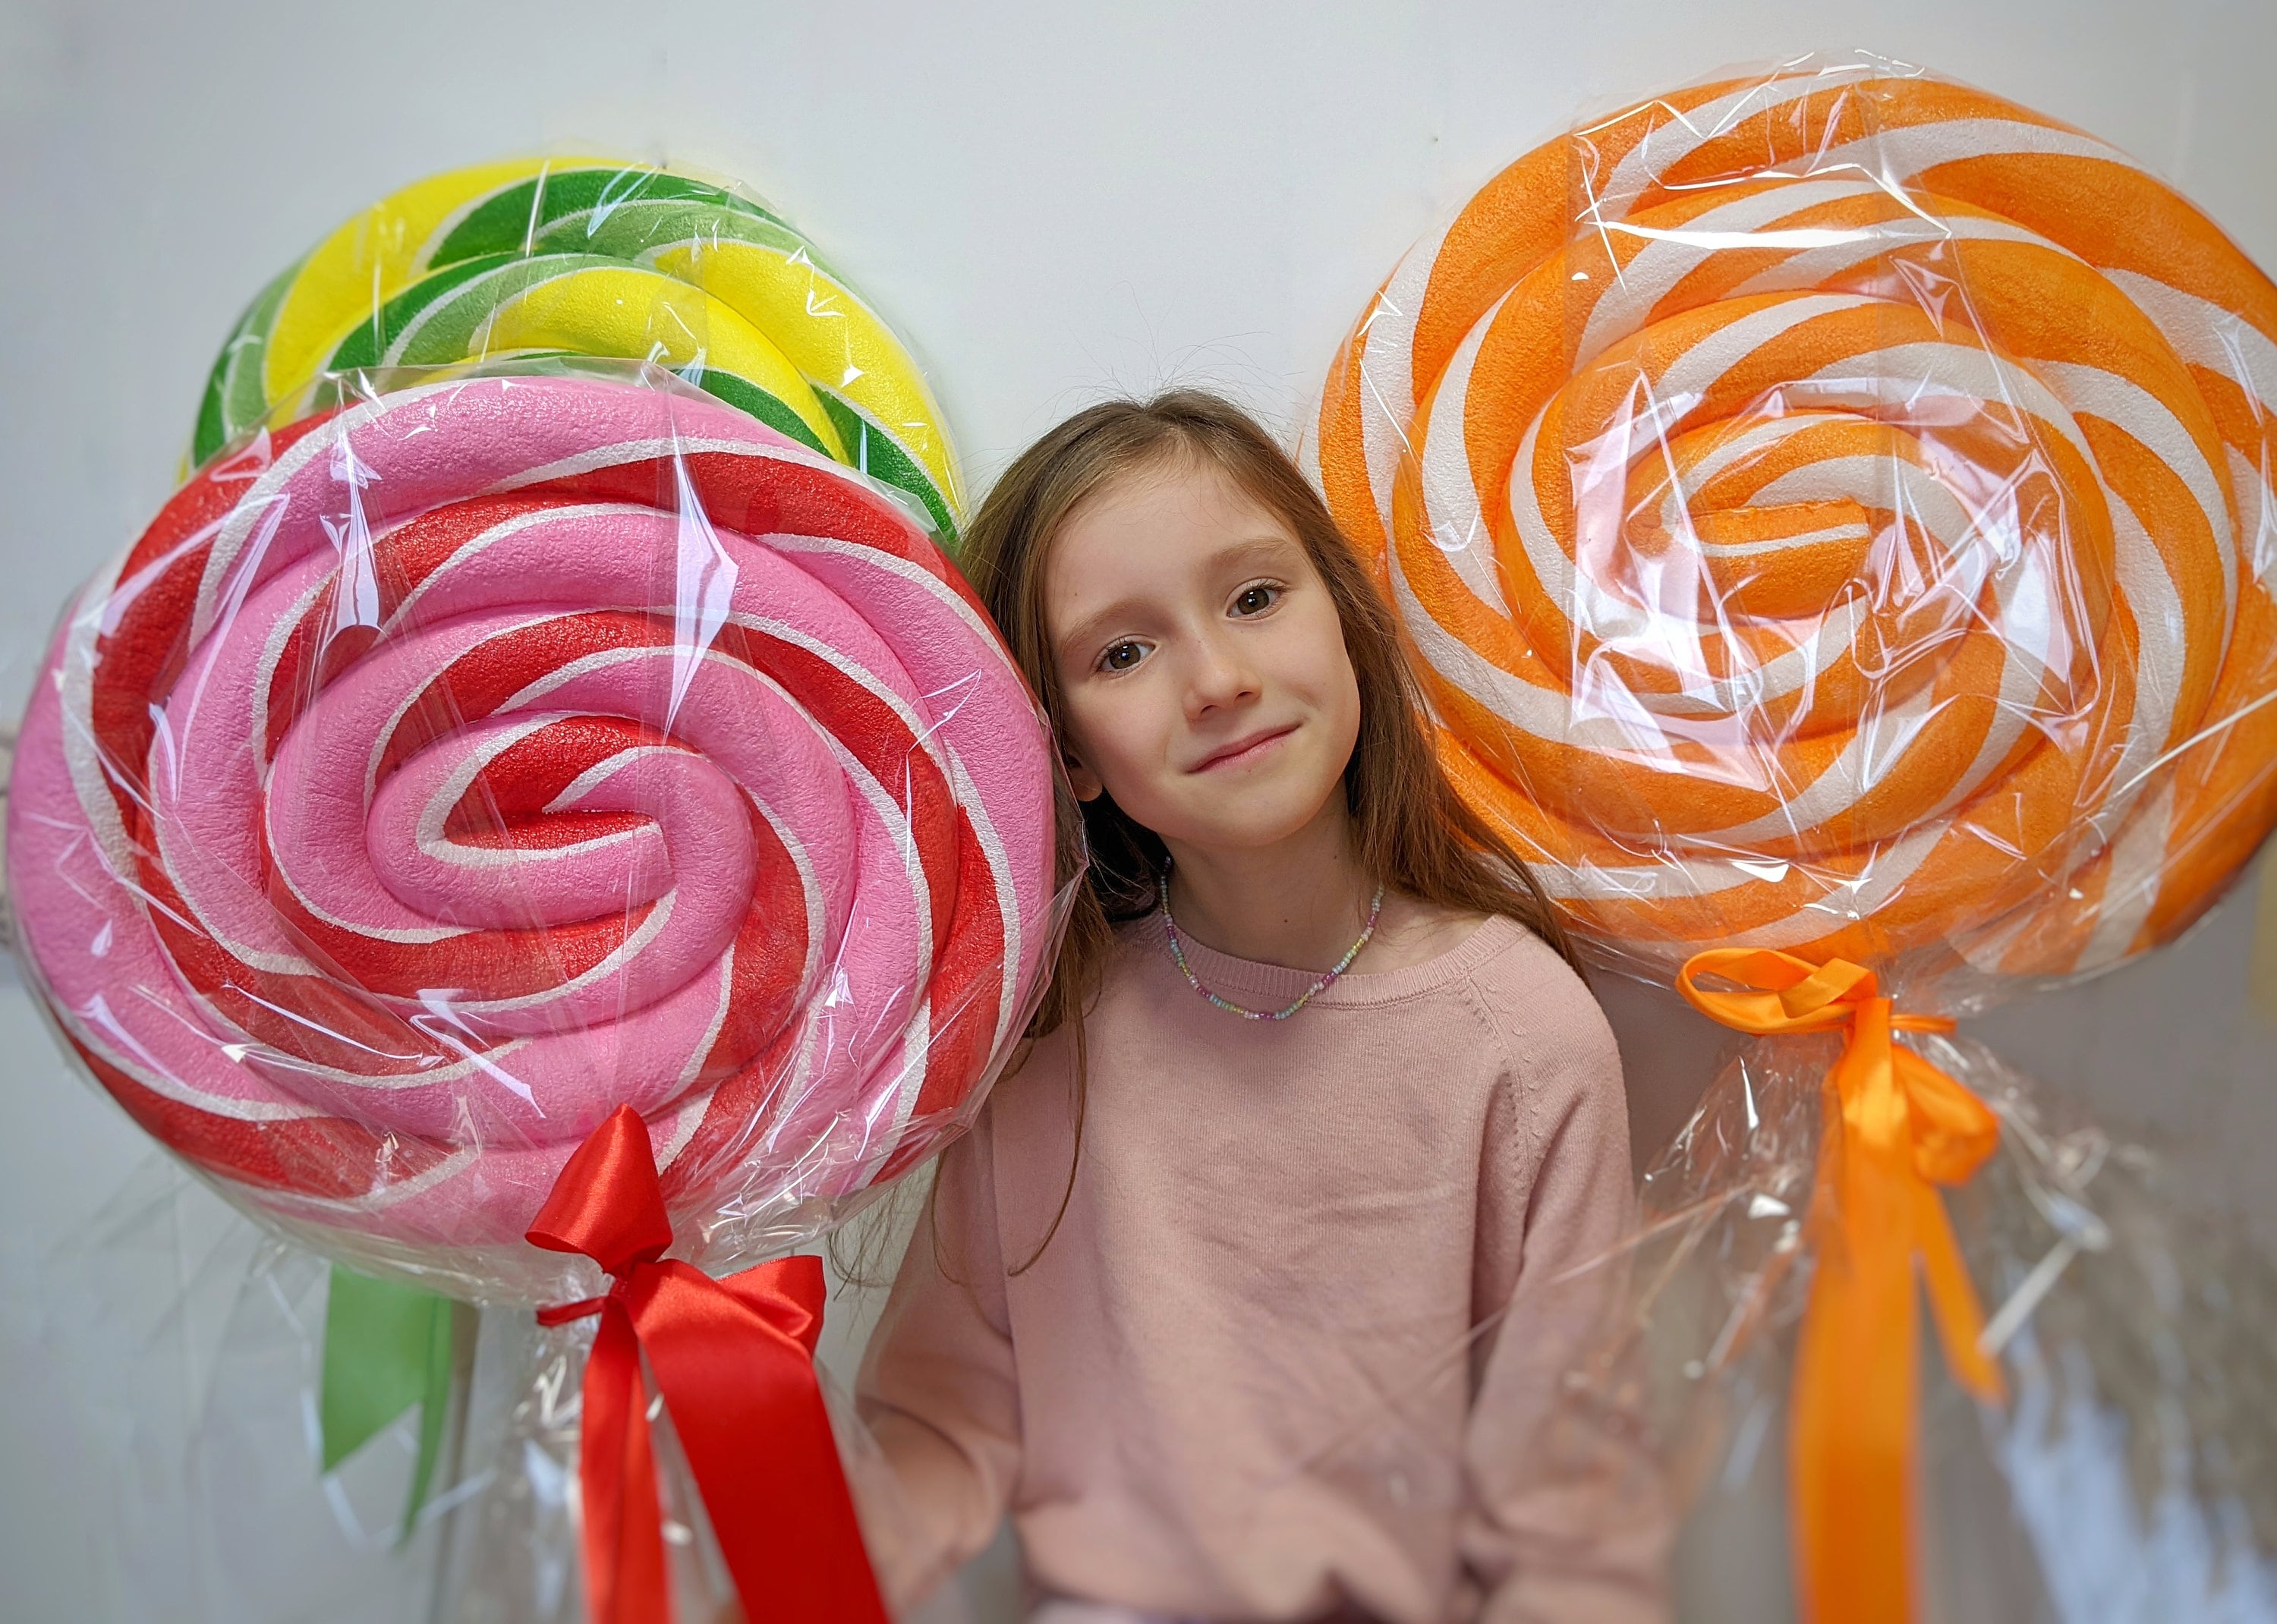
{"x": 1830, "y": 511}
{"x": 2129, "y": 1472}
{"x": 469, "y": 751}
{"x": 191, "y": 1345}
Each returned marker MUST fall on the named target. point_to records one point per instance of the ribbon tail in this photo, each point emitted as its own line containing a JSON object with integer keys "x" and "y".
{"x": 1953, "y": 1299}
{"x": 1953, "y": 1132}
{"x": 625, "y": 1576}
{"x": 751, "y": 1420}
{"x": 1857, "y": 1386}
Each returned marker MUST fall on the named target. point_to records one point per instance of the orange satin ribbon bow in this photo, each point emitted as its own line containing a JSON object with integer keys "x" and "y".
{"x": 1906, "y": 1127}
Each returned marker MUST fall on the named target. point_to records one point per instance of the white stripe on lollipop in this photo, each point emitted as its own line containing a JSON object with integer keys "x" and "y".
{"x": 809, "y": 891}
{"x": 2205, "y": 334}
{"x": 1903, "y": 153}
{"x": 1758, "y": 437}
{"x": 1876, "y": 744}
{"x": 966, "y": 793}
{"x": 429, "y": 835}
{"x": 686, "y": 1116}
{"x": 635, "y": 941}
{"x": 242, "y": 732}
{"x": 1671, "y": 254}
{"x": 1668, "y": 144}
{"x": 384, "y": 1193}
{"x": 478, "y": 341}
{"x": 1451, "y": 501}
{"x": 407, "y": 611}
{"x": 1692, "y": 374}
{"x": 701, "y": 1049}
{"x": 262, "y": 509}
{"x": 2257, "y": 514}
{"x": 2160, "y": 649}
{"x": 1913, "y": 380}
{"x": 1814, "y": 266}
{"x": 2090, "y": 392}
{"x": 422, "y": 1074}
{"x": 813, "y": 1049}
{"x": 95, "y": 1026}
{"x": 93, "y": 614}
{"x": 892, "y": 1105}
{"x": 673, "y": 448}
{"x": 1847, "y": 899}
{"x": 1680, "y": 875}
{"x": 1895, "y": 483}
{"x": 1387, "y": 367}
{"x": 2131, "y": 884}
{"x": 1858, "y": 530}
{"x": 889, "y": 810}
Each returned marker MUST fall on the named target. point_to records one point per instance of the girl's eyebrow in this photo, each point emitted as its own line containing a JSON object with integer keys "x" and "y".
{"x": 1254, "y": 549}
{"x": 1092, "y": 626}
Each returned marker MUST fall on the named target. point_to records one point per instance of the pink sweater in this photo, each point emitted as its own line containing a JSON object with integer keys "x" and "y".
{"x": 1263, "y": 1371}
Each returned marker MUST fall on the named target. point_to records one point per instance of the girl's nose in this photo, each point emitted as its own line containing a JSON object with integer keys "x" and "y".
{"x": 1220, "y": 676}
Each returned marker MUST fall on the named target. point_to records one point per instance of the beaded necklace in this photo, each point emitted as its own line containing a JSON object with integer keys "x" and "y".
{"x": 1178, "y": 954}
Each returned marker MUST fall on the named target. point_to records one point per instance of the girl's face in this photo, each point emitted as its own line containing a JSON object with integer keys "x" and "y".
{"x": 1202, "y": 669}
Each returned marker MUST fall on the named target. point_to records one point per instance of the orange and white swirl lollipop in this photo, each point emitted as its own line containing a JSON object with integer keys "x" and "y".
{"x": 1833, "y": 513}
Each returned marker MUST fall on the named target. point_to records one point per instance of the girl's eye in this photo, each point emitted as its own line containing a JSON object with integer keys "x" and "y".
{"x": 1122, "y": 656}
{"x": 1255, "y": 600}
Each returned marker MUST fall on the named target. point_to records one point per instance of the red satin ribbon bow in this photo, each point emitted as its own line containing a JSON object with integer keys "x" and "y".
{"x": 733, "y": 1360}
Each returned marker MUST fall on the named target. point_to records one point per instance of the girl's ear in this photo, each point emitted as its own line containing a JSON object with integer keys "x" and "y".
{"x": 1081, "y": 779}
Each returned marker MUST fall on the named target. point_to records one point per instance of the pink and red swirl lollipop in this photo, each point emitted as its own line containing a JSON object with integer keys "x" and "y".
{"x": 434, "y": 776}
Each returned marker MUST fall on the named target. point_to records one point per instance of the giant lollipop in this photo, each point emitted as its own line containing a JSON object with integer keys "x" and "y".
{"x": 1832, "y": 515}
{"x": 593, "y": 257}
{"x": 438, "y": 775}
{"x": 523, "y": 822}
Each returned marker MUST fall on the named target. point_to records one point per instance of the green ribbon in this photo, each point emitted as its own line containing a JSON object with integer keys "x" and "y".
{"x": 386, "y": 1347}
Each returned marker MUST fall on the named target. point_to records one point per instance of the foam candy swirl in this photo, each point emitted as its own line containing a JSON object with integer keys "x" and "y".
{"x": 1833, "y": 513}
{"x": 437, "y": 775}
{"x": 598, "y": 258}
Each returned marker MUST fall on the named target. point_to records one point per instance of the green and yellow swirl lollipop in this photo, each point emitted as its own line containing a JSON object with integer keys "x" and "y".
{"x": 587, "y": 256}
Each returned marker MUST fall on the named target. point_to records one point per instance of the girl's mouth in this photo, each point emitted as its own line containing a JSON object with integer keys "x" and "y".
{"x": 1241, "y": 752}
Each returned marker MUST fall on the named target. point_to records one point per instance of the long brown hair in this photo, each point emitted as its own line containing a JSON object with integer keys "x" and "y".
{"x": 1412, "y": 833}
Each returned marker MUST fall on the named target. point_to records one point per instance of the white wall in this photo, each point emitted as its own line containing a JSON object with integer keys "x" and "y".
{"x": 1052, "y": 202}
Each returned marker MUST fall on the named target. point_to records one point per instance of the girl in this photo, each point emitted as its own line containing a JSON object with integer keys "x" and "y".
{"x": 1338, "y": 1108}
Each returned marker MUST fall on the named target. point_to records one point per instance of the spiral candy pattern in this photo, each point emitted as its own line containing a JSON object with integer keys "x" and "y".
{"x": 436, "y": 775}
{"x": 593, "y": 257}
{"x": 1833, "y": 513}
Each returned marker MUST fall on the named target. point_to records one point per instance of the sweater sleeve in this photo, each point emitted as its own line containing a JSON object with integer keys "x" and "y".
{"x": 1565, "y": 1517}
{"x": 937, "y": 1387}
